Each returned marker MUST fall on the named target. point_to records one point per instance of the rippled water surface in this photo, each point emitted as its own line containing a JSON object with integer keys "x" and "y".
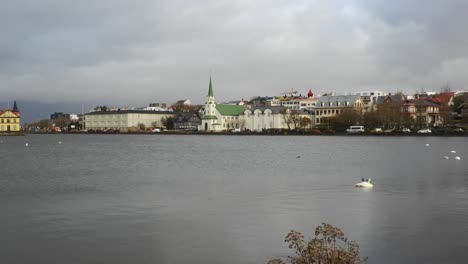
{"x": 219, "y": 199}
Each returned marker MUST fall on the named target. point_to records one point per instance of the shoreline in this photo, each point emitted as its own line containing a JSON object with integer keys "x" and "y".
{"x": 255, "y": 134}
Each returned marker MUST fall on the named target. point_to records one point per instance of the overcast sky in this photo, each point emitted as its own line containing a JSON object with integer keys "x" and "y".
{"x": 126, "y": 52}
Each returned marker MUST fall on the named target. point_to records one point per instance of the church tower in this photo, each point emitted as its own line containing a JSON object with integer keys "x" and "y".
{"x": 210, "y": 119}
{"x": 210, "y": 106}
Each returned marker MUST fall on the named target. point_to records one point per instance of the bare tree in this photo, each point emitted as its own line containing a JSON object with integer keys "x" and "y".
{"x": 291, "y": 118}
{"x": 329, "y": 246}
{"x": 304, "y": 122}
{"x": 285, "y": 114}
{"x": 61, "y": 122}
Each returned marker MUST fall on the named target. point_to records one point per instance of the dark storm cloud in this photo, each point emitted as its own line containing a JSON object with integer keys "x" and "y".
{"x": 133, "y": 52}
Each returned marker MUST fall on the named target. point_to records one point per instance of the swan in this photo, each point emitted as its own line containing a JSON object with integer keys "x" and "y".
{"x": 427, "y": 145}
{"x": 445, "y": 157}
{"x": 27, "y": 144}
{"x": 365, "y": 183}
{"x": 457, "y": 158}
{"x": 453, "y": 151}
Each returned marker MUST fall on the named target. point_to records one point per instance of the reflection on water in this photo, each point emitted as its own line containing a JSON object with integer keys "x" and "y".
{"x": 218, "y": 199}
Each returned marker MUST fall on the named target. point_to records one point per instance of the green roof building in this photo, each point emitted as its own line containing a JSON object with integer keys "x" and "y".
{"x": 219, "y": 117}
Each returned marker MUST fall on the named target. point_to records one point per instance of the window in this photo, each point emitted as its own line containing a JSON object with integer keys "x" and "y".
{"x": 3, "y": 120}
{"x": 8, "y": 120}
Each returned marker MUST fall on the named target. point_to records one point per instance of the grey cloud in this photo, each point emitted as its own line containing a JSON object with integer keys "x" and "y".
{"x": 133, "y": 52}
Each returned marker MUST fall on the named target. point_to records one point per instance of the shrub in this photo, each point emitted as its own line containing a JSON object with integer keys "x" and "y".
{"x": 329, "y": 246}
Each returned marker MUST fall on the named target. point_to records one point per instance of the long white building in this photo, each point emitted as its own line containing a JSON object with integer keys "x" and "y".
{"x": 125, "y": 120}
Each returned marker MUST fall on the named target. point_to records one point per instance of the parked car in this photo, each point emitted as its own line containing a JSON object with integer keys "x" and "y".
{"x": 388, "y": 131}
{"x": 377, "y": 130}
{"x": 355, "y": 129}
{"x": 405, "y": 130}
{"x": 424, "y": 131}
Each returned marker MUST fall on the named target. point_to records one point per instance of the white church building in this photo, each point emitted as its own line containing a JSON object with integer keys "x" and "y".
{"x": 219, "y": 117}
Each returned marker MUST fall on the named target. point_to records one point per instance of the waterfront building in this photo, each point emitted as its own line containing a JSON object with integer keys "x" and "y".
{"x": 187, "y": 121}
{"x": 10, "y": 120}
{"x": 299, "y": 102}
{"x": 219, "y": 117}
{"x": 258, "y": 118}
{"x": 424, "y": 112}
{"x": 331, "y": 105}
{"x": 125, "y": 120}
{"x": 369, "y": 99}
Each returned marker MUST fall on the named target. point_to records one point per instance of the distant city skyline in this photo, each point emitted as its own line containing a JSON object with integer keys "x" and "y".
{"x": 133, "y": 53}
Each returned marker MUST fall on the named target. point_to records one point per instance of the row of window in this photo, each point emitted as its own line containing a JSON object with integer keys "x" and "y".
{"x": 258, "y": 114}
{"x": 412, "y": 109}
{"x": 231, "y": 125}
{"x": 5, "y": 128}
{"x": 7, "y": 120}
{"x": 334, "y": 104}
{"x": 330, "y": 112}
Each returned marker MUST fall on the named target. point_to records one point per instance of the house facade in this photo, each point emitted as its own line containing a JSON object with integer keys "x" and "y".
{"x": 187, "y": 121}
{"x": 269, "y": 117}
{"x": 424, "y": 112}
{"x": 369, "y": 99}
{"x": 263, "y": 117}
{"x": 219, "y": 117}
{"x": 125, "y": 120}
{"x": 10, "y": 120}
{"x": 331, "y": 105}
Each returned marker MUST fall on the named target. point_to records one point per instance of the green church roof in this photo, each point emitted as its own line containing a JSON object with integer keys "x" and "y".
{"x": 230, "y": 110}
{"x": 210, "y": 89}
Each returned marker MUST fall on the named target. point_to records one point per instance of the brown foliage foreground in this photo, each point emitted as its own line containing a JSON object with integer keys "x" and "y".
{"x": 329, "y": 246}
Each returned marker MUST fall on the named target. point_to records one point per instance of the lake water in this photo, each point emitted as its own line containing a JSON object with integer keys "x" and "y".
{"x": 220, "y": 199}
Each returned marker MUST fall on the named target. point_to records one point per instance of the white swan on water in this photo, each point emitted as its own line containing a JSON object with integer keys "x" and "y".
{"x": 365, "y": 183}
{"x": 453, "y": 151}
{"x": 457, "y": 158}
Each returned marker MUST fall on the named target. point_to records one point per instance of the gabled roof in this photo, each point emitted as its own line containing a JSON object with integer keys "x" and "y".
{"x": 421, "y": 102}
{"x": 185, "y": 116}
{"x": 16, "y": 113}
{"x": 443, "y": 98}
{"x": 336, "y": 98}
{"x": 230, "y": 110}
{"x": 382, "y": 99}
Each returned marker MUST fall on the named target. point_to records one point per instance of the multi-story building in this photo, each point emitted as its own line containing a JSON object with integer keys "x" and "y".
{"x": 125, "y": 120}
{"x": 299, "y": 102}
{"x": 187, "y": 121}
{"x": 369, "y": 99}
{"x": 331, "y": 105}
{"x": 269, "y": 117}
{"x": 423, "y": 112}
{"x": 10, "y": 120}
